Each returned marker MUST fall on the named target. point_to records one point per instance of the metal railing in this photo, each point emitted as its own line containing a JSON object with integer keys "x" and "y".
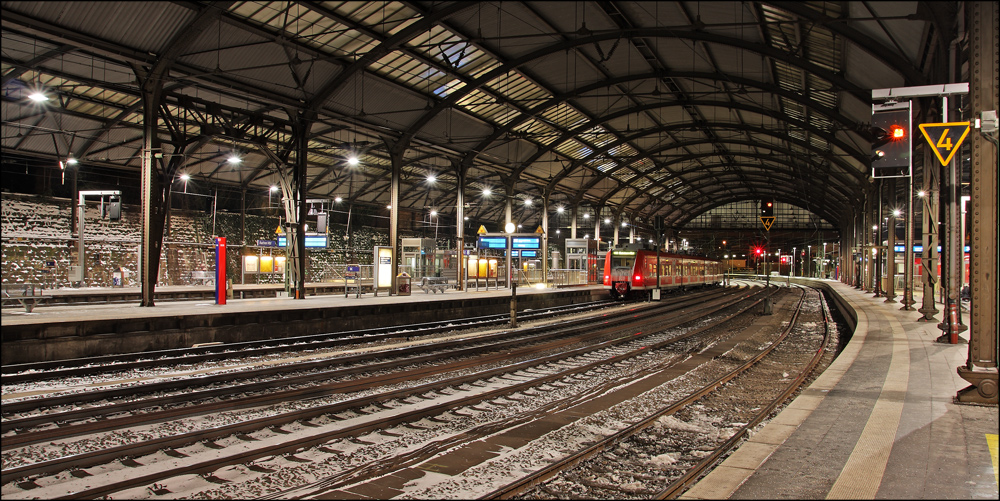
{"x": 566, "y": 277}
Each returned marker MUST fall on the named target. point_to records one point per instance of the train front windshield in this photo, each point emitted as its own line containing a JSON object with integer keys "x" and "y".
{"x": 621, "y": 261}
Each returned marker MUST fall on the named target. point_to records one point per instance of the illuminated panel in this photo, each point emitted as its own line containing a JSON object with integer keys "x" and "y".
{"x": 492, "y": 242}
{"x": 313, "y": 241}
{"x": 526, "y": 243}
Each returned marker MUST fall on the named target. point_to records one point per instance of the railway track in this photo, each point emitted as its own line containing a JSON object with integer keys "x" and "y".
{"x": 663, "y": 455}
{"x": 255, "y": 443}
{"x": 26, "y": 414}
{"x": 30, "y": 372}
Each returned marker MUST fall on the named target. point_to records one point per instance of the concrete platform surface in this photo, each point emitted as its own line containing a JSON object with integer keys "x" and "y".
{"x": 879, "y": 423}
{"x": 56, "y": 313}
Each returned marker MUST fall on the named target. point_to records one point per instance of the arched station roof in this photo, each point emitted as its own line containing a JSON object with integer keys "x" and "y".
{"x": 639, "y": 109}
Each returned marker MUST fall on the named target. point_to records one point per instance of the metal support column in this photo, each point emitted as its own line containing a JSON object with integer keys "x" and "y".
{"x": 460, "y": 224}
{"x": 616, "y": 222}
{"x": 152, "y": 238}
{"x": 396, "y": 157}
{"x": 597, "y": 225}
{"x": 890, "y": 245}
{"x": 878, "y": 256}
{"x": 980, "y": 368}
{"x": 908, "y": 252}
{"x": 572, "y": 227}
{"x": 545, "y": 237}
{"x": 299, "y": 201}
{"x": 952, "y": 247}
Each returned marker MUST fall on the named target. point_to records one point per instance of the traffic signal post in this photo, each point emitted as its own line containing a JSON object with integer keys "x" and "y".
{"x": 891, "y": 146}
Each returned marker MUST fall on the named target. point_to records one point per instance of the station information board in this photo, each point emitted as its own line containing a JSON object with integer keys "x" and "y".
{"x": 529, "y": 253}
{"x": 534, "y": 243}
{"x": 492, "y": 242}
{"x": 312, "y": 241}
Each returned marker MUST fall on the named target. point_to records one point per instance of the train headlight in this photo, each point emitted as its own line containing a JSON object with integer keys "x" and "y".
{"x": 638, "y": 278}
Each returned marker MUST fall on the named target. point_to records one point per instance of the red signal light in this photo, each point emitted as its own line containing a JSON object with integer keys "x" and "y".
{"x": 759, "y": 251}
{"x": 896, "y": 132}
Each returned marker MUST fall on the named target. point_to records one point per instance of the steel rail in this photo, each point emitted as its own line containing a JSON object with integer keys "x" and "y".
{"x": 535, "y": 478}
{"x": 98, "y": 457}
{"x": 106, "y": 394}
{"x": 19, "y": 373}
{"x": 678, "y": 486}
{"x": 297, "y": 394}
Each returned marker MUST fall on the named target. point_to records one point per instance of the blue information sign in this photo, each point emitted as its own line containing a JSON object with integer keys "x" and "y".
{"x": 920, "y": 248}
{"x": 529, "y": 253}
{"x": 492, "y": 242}
{"x": 526, "y": 243}
{"x": 313, "y": 241}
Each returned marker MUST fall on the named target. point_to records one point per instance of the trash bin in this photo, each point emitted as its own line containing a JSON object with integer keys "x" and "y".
{"x": 116, "y": 277}
{"x": 403, "y": 284}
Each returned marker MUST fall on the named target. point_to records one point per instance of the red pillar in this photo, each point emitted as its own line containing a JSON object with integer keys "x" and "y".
{"x": 220, "y": 270}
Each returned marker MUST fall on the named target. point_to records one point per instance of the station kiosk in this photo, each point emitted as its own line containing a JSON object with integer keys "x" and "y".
{"x": 418, "y": 257}
{"x": 584, "y": 254}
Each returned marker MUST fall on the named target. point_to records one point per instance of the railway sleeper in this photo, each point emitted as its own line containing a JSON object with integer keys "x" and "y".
{"x": 626, "y": 489}
{"x": 258, "y": 468}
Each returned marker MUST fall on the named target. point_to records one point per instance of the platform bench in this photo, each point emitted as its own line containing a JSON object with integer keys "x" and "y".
{"x": 27, "y": 295}
{"x": 434, "y": 284}
{"x": 203, "y": 277}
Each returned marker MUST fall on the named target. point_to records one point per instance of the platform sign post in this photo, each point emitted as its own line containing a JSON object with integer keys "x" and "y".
{"x": 220, "y": 270}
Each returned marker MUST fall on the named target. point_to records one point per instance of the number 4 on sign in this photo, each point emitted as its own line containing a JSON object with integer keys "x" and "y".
{"x": 945, "y": 138}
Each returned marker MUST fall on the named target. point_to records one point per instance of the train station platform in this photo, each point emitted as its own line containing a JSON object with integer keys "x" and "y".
{"x": 58, "y": 332}
{"x": 880, "y": 423}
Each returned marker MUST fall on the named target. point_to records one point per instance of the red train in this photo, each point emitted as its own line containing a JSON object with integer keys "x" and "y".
{"x": 632, "y": 268}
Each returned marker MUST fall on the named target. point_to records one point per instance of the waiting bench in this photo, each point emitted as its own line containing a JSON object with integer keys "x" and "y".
{"x": 203, "y": 277}
{"x": 434, "y": 284}
{"x": 27, "y": 295}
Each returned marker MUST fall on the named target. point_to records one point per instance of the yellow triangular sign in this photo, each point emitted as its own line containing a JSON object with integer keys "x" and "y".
{"x": 945, "y": 138}
{"x": 482, "y": 230}
{"x": 539, "y": 230}
{"x": 768, "y": 221}
{"x": 279, "y": 230}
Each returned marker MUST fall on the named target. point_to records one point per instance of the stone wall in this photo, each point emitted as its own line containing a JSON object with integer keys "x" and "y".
{"x": 38, "y": 245}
